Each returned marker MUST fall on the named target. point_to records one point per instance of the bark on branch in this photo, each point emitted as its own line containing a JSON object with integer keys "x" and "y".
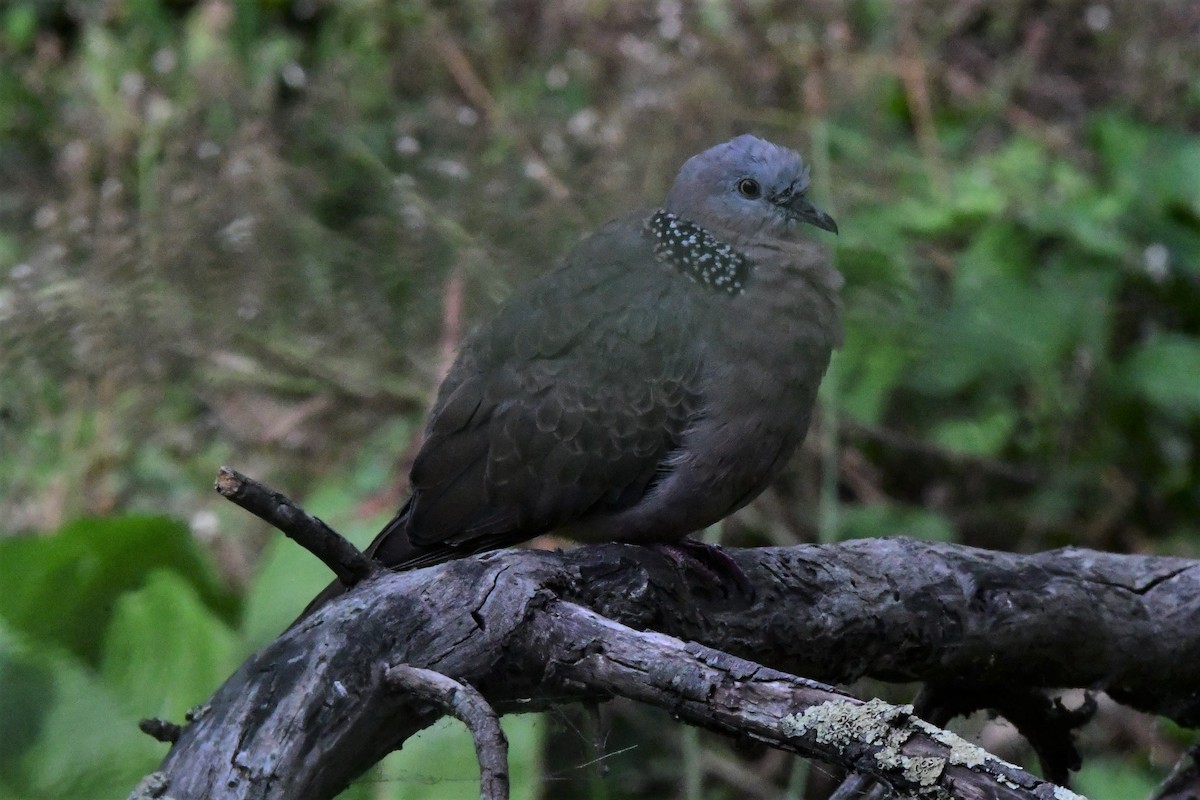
{"x": 343, "y": 559}
{"x": 530, "y": 630}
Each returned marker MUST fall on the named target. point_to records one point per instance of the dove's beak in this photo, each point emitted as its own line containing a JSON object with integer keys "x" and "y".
{"x": 805, "y": 211}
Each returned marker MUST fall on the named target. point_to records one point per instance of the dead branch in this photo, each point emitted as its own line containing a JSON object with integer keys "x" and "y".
{"x": 330, "y": 547}
{"x": 530, "y": 630}
{"x": 514, "y": 625}
{"x": 467, "y": 705}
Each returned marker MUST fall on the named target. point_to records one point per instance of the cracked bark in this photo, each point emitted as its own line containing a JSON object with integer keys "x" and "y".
{"x": 314, "y": 709}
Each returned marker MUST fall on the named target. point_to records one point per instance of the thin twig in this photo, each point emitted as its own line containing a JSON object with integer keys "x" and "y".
{"x": 464, "y": 703}
{"x": 334, "y": 551}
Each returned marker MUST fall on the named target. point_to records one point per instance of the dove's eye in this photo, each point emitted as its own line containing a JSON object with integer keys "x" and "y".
{"x": 748, "y": 187}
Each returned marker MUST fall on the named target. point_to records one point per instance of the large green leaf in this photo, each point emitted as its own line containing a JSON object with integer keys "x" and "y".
{"x": 63, "y": 734}
{"x": 288, "y": 577}
{"x": 62, "y": 588}
{"x": 165, "y": 650}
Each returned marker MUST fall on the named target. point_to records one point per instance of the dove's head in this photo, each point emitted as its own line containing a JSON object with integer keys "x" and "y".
{"x": 746, "y": 188}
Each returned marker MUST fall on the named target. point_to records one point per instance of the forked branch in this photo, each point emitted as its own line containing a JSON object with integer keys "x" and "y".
{"x": 529, "y": 630}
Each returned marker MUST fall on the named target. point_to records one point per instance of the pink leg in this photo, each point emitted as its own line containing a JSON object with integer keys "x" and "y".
{"x": 709, "y": 561}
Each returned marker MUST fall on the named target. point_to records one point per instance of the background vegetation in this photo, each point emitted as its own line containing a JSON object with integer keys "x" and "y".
{"x": 250, "y": 233}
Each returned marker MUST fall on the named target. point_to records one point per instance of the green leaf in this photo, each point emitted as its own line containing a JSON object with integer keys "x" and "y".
{"x": 868, "y": 368}
{"x": 1111, "y": 779}
{"x": 870, "y": 265}
{"x": 1007, "y": 329}
{"x": 62, "y": 733}
{"x": 165, "y": 651}
{"x": 1019, "y": 168}
{"x": 20, "y": 25}
{"x": 1165, "y": 371}
{"x": 62, "y": 588}
{"x": 925, "y": 217}
{"x": 983, "y": 436}
{"x": 1153, "y": 167}
{"x": 1121, "y": 142}
{"x": 1000, "y": 250}
{"x": 1180, "y": 175}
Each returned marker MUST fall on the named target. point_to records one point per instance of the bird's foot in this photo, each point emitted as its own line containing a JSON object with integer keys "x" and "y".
{"x": 710, "y": 561}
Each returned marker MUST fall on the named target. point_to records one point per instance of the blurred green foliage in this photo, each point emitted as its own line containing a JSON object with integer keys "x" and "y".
{"x": 107, "y": 621}
{"x": 230, "y": 231}
{"x": 1106, "y": 778}
{"x": 65, "y": 588}
{"x": 111, "y": 621}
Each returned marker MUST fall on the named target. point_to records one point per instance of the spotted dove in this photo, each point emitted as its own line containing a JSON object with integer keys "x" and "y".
{"x": 651, "y": 384}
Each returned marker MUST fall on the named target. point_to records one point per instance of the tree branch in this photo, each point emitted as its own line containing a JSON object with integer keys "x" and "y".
{"x": 532, "y": 630}
{"x": 741, "y": 699}
{"x": 330, "y": 547}
{"x": 467, "y": 705}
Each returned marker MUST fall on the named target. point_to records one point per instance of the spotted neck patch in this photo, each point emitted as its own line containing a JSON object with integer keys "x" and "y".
{"x": 695, "y": 252}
